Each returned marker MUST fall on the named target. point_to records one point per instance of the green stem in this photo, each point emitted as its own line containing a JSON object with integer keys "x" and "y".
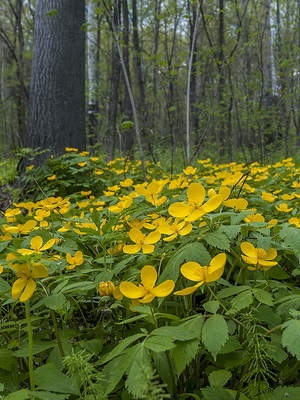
{"x": 57, "y": 335}
{"x": 30, "y": 344}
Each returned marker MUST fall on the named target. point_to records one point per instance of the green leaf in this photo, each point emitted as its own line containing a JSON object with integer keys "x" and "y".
{"x": 159, "y": 343}
{"x": 231, "y": 231}
{"x": 55, "y": 301}
{"x": 263, "y": 296}
{"x": 78, "y": 287}
{"x": 38, "y": 347}
{"x": 194, "y": 251}
{"x": 49, "y": 378}
{"x": 214, "y": 334}
{"x": 3, "y": 245}
{"x": 41, "y": 395}
{"x": 23, "y": 394}
{"x": 231, "y": 291}
{"x": 291, "y": 238}
{"x": 8, "y": 361}
{"x": 174, "y": 332}
{"x": 114, "y": 370}
{"x": 184, "y": 353}
{"x": 286, "y": 392}
{"x": 140, "y": 368}
{"x": 288, "y": 303}
{"x": 216, "y": 393}
{"x": 121, "y": 346}
{"x": 194, "y": 324}
{"x": 277, "y": 272}
{"x": 4, "y": 286}
{"x": 218, "y": 240}
{"x": 241, "y": 301}
{"x": 231, "y": 345}
{"x": 219, "y": 377}
{"x": 291, "y": 337}
{"x": 211, "y": 306}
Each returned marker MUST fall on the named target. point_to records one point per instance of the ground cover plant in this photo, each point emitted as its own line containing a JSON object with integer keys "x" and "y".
{"x": 183, "y": 286}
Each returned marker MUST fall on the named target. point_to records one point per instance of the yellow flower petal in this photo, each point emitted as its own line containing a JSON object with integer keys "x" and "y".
{"x": 28, "y": 291}
{"x": 147, "y": 298}
{"x": 131, "y": 291}
{"x": 39, "y": 271}
{"x": 132, "y": 248}
{"x": 147, "y": 248}
{"x": 196, "y": 194}
{"x": 188, "y": 290}
{"x": 271, "y": 253}
{"x": 250, "y": 260}
{"x": 153, "y": 237}
{"x": 212, "y": 204}
{"x": 179, "y": 210}
{"x": 48, "y": 245}
{"x": 164, "y": 289}
{"x": 18, "y": 287}
{"x": 192, "y": 271}
{"x": 248, "y": 249}
{"x": 216, "y": 268}
{"x": 36, "y": 243}
{"x": 148, "y": 277}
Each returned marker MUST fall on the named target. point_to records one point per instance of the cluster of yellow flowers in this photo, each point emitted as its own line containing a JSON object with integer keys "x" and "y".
{"x": 144, "y": 218}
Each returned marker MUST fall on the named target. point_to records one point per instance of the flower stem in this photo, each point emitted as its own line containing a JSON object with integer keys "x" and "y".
{"x": 30, "y": 345}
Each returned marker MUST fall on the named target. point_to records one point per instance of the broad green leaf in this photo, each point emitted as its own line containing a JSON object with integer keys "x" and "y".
{"x": 55, "y": 301}
{"x": 291, "y": 337}
{"x": 38, "y": 347}
{"x": 267, "y": 315}
{"x": 216, "y": 393}
{"x": 184, "y": 353}
{"x": 23, "y": 394}
{"x": 48, "y": 374}
{"x": 211, "y": 306}
{"x": 41, "y": 395}
{"x": 286, "y": 392}
{"x": 218, "y": 240}
{"x": 8, "y": 361}
{"x": 79, "y": 287}
{"x": 277, "y": 272}
{"x": 231, "y": 345}
{"x": 263, "y": 296}
{"x": 231, "y": 231}
{"x": 3, "y": 245}
{"x": 174, "y": 332}
{"x": 214, "y": 334}
{"x": 241, "y": 301}
{"x": 194, "y": 324}
{"x": 4, "y": 286}
{"x": 231, "y": 291}
{"x": 114, "y": 370}
{"x": 291, "y": 238}
{"x": 139, "y": 368}
{"x": 194, "y": 251}
{"x": 160, "y": 362}
{"x": 288, "y": 303}
{"x": 121, "y": 346}
{"x": 159, "y": 343}
{"x": 219, "y": 377}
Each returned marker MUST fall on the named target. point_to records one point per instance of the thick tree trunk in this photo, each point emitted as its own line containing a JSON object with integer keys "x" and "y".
{"x": 57, "y": 95}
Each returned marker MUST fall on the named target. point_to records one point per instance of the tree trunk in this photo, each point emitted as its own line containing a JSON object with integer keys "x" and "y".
{"x": 57, "y": 93}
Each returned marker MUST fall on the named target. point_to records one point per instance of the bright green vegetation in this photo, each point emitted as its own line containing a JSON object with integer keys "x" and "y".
{"x": 183, "y": 287}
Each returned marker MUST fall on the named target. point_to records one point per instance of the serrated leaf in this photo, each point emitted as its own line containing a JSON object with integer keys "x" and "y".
{"x": 3, "y": 245}
{"x": 4, "y": 286}
{"x": 55, "y": 301}
{"x": 159, "y": 343}
{"x": 47, "y": 374}
{"x": 277, "y": 272}
{"x": 288, "y": 303}
{"x": 38, "y": 347}
{"x": 114, "y": 370}
{"x": 174, "y": 332}
{"x": 231, "y": 345}
{"x": 211, "y": 306}
{"x": 194, "y": 324}
{"x": 8, "y": 361}
{"x": 216, "y": 393}
{"x": 231, "y": 230}
{"x": 41, "y": 395}
{"x": 291, "y": 337}
{"x": 184, "y": 353}
{"x": 218, "y": 240}
{"x": 241, "y": 301}
{"x": 263, "y": 296}
{"x": 139, "y": 368}
{"x": 219, "y": 377}
{"x": 121, "y": 346}
{"x": 291, "y": 238}
{"x": 214, "y": 334}
{"x": 231, "y": 291}
{"x": 194, "y": 251}
{"x": 78, "y": 287}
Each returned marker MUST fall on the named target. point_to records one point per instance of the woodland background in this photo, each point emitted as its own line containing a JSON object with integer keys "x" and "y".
{"x": 209, "y": 78}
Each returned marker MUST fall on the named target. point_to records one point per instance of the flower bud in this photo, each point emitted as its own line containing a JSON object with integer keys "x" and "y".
{"x": 106, "y": 288}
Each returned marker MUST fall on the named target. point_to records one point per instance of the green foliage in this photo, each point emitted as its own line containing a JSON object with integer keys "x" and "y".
{"x": 88, "y": 325}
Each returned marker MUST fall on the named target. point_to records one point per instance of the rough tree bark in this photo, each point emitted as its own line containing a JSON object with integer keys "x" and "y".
{"x": 57, "y": 93}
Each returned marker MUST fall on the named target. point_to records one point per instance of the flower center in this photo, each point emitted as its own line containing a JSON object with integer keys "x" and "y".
{"x": 261, "y": 254}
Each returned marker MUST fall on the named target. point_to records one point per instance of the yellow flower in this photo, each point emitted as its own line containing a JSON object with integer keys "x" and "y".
{"x": 237, "y": 204}
{"x": 21, "y": 228}
{"x": 71, "y": 149}
{"x": 52, "y": 178}
{"x": 254, "y": 218}
{"x": 25, "y": 285}
{"x": 151, "y": 192}
{"x": 202, "y": 274}
{"x": 106, "y": 288}
{"x": 295, "y": 221}
{"x": 1, "y": 269}
{"x": 121, "y": 205}
{"x": 81, "y": 164}
{"x": 195, "y": 209}
{"x": 258, "y": 256}
{"x": 283, "y": 207}
{"x": 189, "y": 170}
{"x": 146, "y": 291}
{"x": 11, "y": 213}
{"x": 29, "y": 168}
{"x": 74, "y": 261}
{"x": 41, "y": 214}
{"x": 142, "y": 242}
{"x": 224, "y": 191}
{"x": 36, "y": 246}
{"x": 126, "y": 183}
{"x": 269, "y": 197}
{"x": 178, "y": 227}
